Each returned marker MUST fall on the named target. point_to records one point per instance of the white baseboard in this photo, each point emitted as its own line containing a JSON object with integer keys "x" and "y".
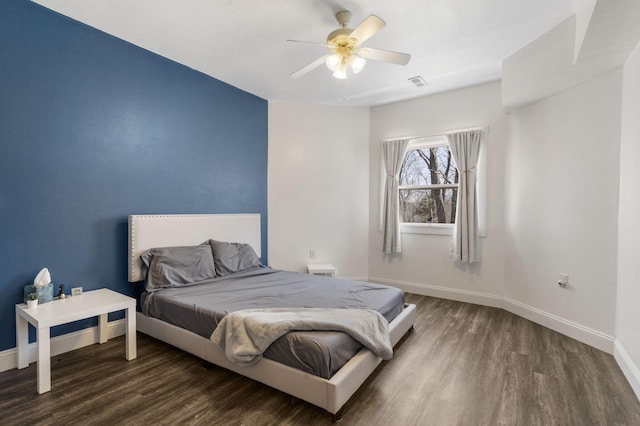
{"x": 568, "y": 328}
{"x": 628, "y": 367}
{"x": 64, "y": 343}
{"x": 443, "y": 292}
{"x": 574, "y": 330}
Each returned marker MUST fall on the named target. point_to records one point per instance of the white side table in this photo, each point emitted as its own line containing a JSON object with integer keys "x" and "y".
{"x": 322, "y": 269}
{"x": 89, "y": 304}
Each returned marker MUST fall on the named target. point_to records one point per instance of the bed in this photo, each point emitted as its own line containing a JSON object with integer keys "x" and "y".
{"x": 330, "y": 392}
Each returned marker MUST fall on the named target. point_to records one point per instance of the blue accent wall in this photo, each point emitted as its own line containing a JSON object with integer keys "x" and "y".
{"x": 93, "y": 129}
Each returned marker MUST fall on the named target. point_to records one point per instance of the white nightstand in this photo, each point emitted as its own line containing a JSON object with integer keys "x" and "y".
{"x": 90, "y": 304}
{"x": 322, "y": 269}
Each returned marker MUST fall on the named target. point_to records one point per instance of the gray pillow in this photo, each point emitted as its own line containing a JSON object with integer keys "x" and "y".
{"x": 178, "y": 266}
{"x": 230, "y": 258}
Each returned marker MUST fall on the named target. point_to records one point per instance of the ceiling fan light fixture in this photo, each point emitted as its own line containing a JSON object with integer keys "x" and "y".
{"x": 357, "y": 64}
{"x": 341, "y": 73}
{"x": 334, "y": 61}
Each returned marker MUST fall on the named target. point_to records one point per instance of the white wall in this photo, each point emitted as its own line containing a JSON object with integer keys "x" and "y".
{"x": 561, "y": 215}
{"x": 425, "y": 266}
{"x": 318, "y": 187}
{"x": 627, "y": 327}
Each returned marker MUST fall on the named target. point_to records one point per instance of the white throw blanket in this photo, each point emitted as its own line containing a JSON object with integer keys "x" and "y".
{"x": 245, "y": 335}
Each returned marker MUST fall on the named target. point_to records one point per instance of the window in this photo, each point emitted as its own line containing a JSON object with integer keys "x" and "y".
{"x": 426, "y": 191}
{"x": 428, "y": 186}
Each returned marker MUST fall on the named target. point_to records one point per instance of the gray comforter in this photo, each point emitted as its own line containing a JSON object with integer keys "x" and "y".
{"x": 245, "y": 335}
{"x": 200, "y": 308}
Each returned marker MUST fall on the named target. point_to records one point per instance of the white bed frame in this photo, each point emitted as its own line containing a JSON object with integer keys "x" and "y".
{"x": 149, "y": 231}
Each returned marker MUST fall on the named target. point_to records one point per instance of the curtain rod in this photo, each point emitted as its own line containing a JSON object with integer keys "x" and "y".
{"x": 437, "y": 135}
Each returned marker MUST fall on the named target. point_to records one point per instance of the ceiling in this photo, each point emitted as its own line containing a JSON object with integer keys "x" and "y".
{"x": 453, "y": 43}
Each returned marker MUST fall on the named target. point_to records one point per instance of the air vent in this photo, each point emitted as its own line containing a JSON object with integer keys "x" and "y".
{"x": 418, "y": 81}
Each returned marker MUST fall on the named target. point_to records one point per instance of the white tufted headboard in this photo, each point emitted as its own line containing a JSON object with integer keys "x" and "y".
{"x": 149, "y": 231}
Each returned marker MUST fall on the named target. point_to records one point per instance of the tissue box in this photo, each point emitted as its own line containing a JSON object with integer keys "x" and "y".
{"x": 45, "y": 294}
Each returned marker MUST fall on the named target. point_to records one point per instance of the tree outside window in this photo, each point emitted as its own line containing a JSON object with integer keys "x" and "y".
{"x": 428, "y": 183}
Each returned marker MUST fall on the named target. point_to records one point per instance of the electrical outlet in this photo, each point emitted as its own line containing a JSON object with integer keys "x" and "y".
{"x": 312, "y": 254}
{"x": 563, "y": 280}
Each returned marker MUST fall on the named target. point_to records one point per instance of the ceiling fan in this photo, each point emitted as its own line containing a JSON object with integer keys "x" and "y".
{"x": 346, "y": 48}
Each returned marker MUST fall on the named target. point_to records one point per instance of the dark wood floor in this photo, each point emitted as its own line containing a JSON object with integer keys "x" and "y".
{"x": 462, "y": 365}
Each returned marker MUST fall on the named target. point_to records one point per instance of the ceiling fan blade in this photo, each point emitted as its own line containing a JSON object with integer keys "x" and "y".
{"x": 312, "y": 42}
{"x": 384, "y": 55}
{"x": 371, "y": 25}
{"x": 302, "y": 71}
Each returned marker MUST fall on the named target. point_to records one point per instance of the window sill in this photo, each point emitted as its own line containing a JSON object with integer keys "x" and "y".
{"x": 426, "y": 228}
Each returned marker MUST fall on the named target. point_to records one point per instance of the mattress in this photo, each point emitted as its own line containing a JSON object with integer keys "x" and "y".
{"x": 199, "y": 308}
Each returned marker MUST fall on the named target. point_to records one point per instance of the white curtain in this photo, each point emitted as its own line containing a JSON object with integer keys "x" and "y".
{"x": 465, "y": 148}
{"x": 392, "y": 155}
